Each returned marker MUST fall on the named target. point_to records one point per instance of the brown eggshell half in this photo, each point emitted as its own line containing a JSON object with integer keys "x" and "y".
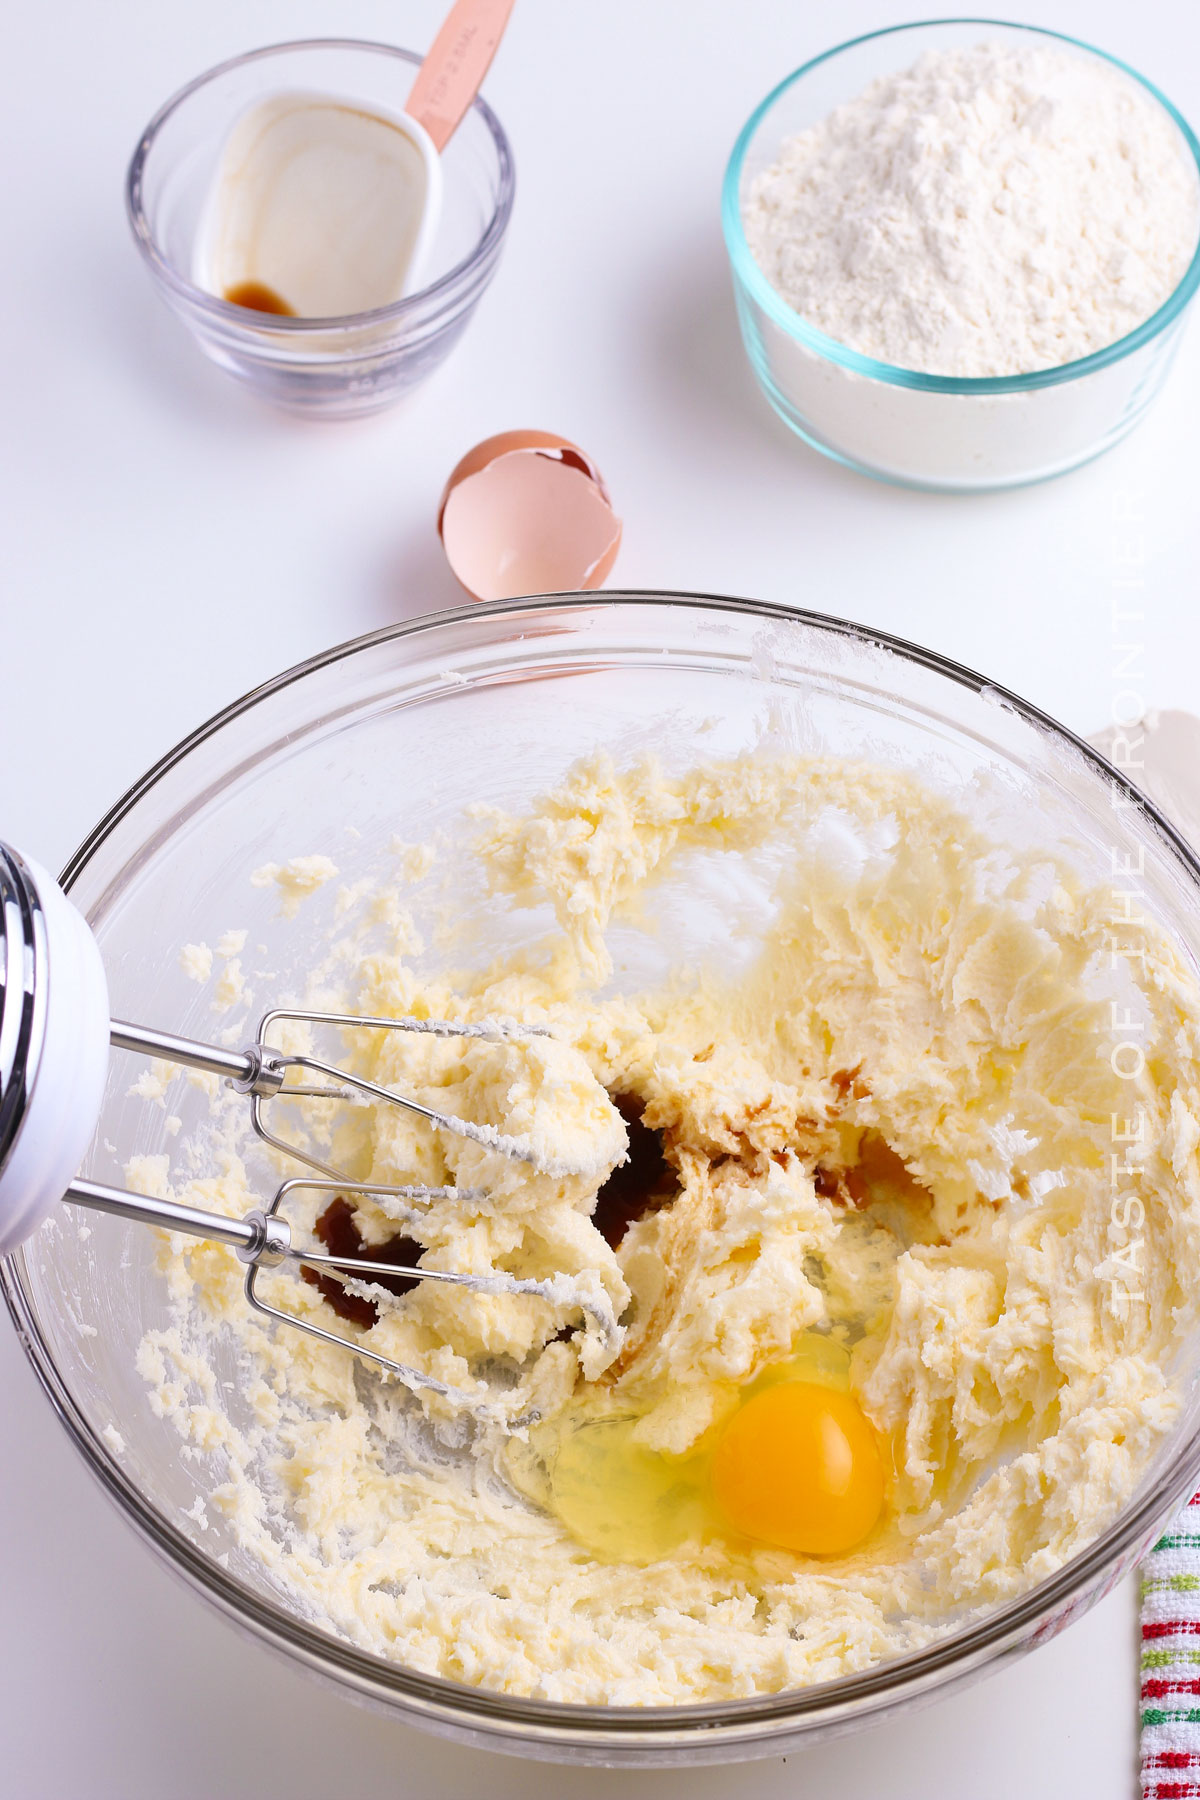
{"x": 526, "y": 512}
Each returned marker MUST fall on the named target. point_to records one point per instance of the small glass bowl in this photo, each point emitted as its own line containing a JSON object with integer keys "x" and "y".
{"x": 326, "y": 368}
{"x": 943, "y": 432}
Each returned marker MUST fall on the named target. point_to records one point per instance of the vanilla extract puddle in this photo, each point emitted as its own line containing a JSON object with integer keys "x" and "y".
{"x": 337, "y": 1228}
{"x": 643, "y": 1184}
{"x": 255, "y": 296}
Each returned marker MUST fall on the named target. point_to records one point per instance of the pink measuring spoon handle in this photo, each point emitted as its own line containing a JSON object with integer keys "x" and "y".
{"x": 450, "y": 76}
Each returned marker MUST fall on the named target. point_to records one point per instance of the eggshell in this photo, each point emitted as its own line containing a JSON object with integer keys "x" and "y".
{"x": 527, "y": 512}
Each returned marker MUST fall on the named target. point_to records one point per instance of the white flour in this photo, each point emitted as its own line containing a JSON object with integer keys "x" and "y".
{"x": 989, "y": 211}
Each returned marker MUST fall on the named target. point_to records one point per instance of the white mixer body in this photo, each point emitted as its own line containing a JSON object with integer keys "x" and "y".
{"x": 54, "y": 1034}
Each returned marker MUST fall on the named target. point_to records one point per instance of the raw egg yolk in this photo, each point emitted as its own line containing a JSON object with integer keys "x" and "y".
{"x": 798, "y": 1466}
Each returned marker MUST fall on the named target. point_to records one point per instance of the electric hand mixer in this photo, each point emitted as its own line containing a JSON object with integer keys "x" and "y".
{"x": 55, "y": 1035}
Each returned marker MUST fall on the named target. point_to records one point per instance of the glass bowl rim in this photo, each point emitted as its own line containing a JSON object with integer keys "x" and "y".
{"x": 397, "y": 311}
{"x": 487, "y": 1713}
{"x": 752, "y": 278}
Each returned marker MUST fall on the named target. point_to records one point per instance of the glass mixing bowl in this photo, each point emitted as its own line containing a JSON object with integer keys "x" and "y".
{"x": 944, "y": 432}
{"x": 322, "y": 368}
{"x": 392, "y": 736}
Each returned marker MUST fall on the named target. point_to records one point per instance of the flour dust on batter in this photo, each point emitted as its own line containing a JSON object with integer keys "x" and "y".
{"x": 867, "y": 1192}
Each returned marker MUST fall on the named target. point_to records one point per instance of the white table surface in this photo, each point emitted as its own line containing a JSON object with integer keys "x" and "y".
{"x": 167, "y": 543}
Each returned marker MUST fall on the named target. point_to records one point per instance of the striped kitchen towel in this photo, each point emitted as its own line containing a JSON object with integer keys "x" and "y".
{"x": 1171, "y": 1661}
{"x": 1170, "y": 754}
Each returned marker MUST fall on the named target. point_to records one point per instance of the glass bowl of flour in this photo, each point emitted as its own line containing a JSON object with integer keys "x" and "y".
{"x": 373, "y": 762}
{"x": 963, "y": 252}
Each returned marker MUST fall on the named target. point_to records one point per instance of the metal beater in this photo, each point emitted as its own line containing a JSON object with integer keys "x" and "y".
{"x": 54, "y": 1042}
